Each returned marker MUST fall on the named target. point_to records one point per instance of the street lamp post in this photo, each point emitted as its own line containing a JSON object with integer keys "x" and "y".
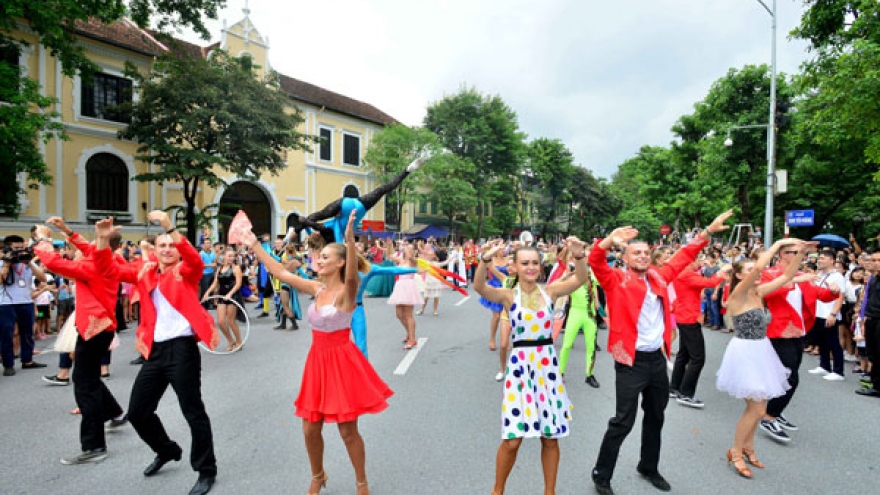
{"x": 771, "y": 130}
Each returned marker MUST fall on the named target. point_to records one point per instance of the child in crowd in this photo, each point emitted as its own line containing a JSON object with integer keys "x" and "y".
{"x": 43, "y": 295}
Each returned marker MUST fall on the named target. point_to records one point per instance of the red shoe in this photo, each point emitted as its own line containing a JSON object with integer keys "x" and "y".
{"x": 409, "y": 345}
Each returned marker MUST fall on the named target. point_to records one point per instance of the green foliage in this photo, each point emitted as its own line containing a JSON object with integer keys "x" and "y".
{"x": 53, "y": 21}
{"x": 26, "y": 119}
{"x": 199, "y": 118}
{"x": 449, "y": 191}
{"x": 593, "y": 205}
{"x": 552, "y": 164}
{"x": 391, "y": 151}
{"x": 485, "y": 131}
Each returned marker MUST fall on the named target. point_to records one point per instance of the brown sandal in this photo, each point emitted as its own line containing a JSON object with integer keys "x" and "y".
{"x": 735, "y": 458}
{"x": 751, "y": 458}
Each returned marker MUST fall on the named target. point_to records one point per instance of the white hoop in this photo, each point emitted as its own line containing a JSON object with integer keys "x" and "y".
{"x": 244, "y": 334}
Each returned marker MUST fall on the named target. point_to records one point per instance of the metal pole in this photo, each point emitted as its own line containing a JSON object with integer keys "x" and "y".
{"x": 771, "y": 137}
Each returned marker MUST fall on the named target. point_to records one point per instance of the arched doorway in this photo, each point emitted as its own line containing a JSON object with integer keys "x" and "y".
{"x": 250, "y": 198}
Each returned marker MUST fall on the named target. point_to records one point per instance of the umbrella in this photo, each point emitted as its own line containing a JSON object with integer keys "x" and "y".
{"x": 832, "y": 241}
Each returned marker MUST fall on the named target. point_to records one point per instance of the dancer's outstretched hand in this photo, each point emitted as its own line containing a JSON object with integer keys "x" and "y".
{"x": 490, "y": 248}
{"x": 717, "y": 225}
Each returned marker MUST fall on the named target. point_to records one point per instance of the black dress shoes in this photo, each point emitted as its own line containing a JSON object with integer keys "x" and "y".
{"x": 654, "y": 478}
{"x": 203, "y": 485}
{"x": 137, "y": 360}
{"x": 158, "y": 462}
{"x": 603, "y": 486}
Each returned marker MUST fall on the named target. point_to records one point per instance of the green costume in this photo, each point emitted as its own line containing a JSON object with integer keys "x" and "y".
{"x": 581, "y": 316}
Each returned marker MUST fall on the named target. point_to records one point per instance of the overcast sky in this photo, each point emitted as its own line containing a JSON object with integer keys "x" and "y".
{"x": 605, "y": 77}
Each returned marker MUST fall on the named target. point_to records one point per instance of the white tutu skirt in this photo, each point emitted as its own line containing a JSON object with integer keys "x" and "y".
{"x": 406, "y": 292}
{"x": 433, "y": 287}
{"x": 751, "y": 369}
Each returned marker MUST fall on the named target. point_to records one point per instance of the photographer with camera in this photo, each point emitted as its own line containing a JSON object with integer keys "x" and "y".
{"x": 17, "y": 273}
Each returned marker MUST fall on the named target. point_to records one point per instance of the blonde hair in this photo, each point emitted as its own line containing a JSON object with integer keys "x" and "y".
{"x": 341, "y": 250}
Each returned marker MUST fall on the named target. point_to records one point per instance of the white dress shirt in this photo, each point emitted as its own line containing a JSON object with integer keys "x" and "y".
{"x": 170, "y": 324}
{"x": 650, "y": 325}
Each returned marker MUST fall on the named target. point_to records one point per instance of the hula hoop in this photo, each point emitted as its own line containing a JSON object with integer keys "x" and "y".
{"x": 245, "y": 332}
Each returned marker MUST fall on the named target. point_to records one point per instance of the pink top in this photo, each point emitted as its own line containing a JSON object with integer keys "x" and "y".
{"x": 328, "y": 318}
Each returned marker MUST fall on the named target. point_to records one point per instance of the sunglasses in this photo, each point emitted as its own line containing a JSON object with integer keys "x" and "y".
{"x": 790, "y": 252}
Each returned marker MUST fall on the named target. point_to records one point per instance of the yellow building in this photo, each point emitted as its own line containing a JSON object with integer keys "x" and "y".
{"x": 93, "y": 171}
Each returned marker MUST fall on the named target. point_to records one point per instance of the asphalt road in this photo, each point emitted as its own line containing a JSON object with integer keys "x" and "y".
{"x": 440, "y": 433}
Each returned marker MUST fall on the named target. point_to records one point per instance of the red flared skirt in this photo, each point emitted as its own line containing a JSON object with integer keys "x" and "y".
{"x": 338, "y": 383}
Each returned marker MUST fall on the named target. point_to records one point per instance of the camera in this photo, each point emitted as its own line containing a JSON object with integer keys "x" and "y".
{"x": 18, "y": 255}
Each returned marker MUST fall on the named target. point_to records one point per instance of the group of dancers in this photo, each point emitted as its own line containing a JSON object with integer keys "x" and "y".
{"x": 754, "y": 368}
{"x": 171, "y": 323}
{"x": 339, "y": 385}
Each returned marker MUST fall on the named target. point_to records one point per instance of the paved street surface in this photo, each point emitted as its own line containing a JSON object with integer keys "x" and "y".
{"x": 440, "y": 433}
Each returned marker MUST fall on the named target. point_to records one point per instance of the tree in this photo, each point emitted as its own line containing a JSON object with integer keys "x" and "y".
{"x": 392, "y": 150}
{"x": 26, "y": 117}
{"x": 449, "y": 191}
{"x": 552, "y": 164}
{"x": 592, "y": 203}
{"x": 484, "y": 130}
{"x": 197, "y": 118}
{"x": 738, "y": 173}
{"x": 844, "y": 75}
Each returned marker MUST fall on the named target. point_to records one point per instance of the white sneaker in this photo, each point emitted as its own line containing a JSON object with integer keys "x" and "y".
{"x": 833, "y": 377}
{"x": 499, "y": 376}
{"x": 818, "y": 370}
{"x": 849, "y": 358}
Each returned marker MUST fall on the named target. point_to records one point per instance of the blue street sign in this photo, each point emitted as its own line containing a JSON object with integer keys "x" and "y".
{"x": 799, "y": 218}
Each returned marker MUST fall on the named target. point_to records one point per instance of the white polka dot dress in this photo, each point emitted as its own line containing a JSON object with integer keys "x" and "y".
{"x": 535, "y": 403}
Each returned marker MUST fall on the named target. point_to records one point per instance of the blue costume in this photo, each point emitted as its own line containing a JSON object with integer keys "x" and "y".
{"x": 336, "y": 215}
{"x": 358, "y": 319}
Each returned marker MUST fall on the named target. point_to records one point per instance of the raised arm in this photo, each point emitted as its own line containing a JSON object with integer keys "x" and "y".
{"x": 687, "y": 254}
{"x": 575, "y": 248}
{"x": 352, "y": 258}
{"x": 74, "y": 238}
{"x": 276, "y": 268}
{"x": 494, "y": 294}
{"x": 790, "y": 271}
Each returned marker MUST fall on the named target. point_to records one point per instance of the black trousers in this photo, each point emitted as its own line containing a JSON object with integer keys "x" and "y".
{"x": 791, "y": 353}
{"x": 830, "y": 351}
{"x": 646, "y": 377}
{"x": 93, "y": 398}
{"x": 872, "y": 348}
{"x": 690, "y": 359}
{"x": 176, "y": 362}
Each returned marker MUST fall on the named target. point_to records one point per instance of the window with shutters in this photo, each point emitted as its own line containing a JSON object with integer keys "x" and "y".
{"x": 103, "y": 96}
{"x": 106, "y": 183}
{"x": 325, "y": 152}
{"x": 351, "y": 150}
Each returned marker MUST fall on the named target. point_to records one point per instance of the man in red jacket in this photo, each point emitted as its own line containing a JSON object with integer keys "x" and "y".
{"x": 96, "y": 289}
{"x": 172, "y": 323}
{"x": 639, "y": 338}
{"x": 793, "y": 310}
{"x": 691, "y": 355}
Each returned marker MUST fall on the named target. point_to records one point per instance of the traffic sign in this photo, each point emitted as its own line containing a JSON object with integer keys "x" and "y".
{"x": 799, "y": 218}
{"x": 665, "y": 230}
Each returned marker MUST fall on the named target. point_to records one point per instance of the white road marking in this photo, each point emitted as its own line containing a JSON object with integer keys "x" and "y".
{"x": 410, "y": 357}
{"x": 459, "y": 303}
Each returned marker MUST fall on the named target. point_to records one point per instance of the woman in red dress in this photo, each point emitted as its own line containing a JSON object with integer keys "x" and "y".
{"x": 338, "y": 382}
